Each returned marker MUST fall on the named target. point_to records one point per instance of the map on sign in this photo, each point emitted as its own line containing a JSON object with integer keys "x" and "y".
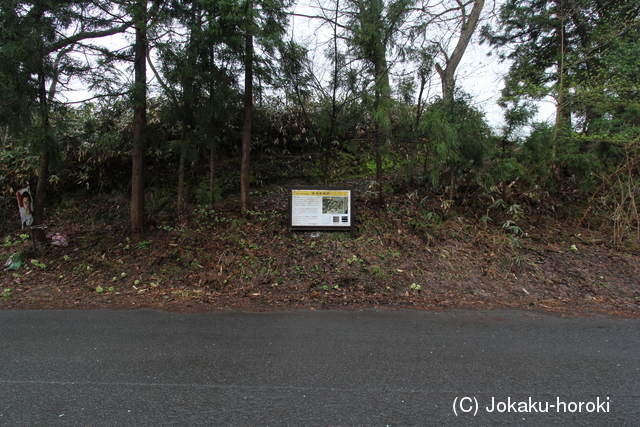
{"x": 320, "y": 207}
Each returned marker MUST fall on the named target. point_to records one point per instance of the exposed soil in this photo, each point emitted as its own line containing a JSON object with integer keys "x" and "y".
{"x": 414, "y": 253}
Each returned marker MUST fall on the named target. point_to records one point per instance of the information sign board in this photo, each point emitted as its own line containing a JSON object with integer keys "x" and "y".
{"x": 320, "y": 208}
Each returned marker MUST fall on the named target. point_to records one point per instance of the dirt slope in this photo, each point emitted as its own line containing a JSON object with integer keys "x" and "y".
{"x": 407, "y": 254}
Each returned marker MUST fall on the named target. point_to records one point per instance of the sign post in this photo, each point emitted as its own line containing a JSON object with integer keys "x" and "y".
{"x": 321, "y": 208}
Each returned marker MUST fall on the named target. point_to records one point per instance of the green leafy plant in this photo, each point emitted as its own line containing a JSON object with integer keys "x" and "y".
{"x": 237, "y": 223}
{"x": 485, "y": 219}
{"x": 8, "y": 241}
{"x": 511, "y": 227}
{"x": 181, "y": 229}
{"x": 39, "y": 264}
{"x": 516, "y": 211}
{"x": 6, "y": 293}
{"x": 143, "y": 245}
{"x": 378, "y": 272}
{"x": 355, "y": 260}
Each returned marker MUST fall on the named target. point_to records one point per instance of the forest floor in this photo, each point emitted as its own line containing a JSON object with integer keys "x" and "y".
{"x": 415, "y": 252}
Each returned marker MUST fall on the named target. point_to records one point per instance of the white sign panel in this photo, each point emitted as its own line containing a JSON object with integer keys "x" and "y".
{"x": 321, "y": 207}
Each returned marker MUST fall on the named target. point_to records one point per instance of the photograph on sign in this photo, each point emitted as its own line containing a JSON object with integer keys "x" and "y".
{"x": 320, "y": 208}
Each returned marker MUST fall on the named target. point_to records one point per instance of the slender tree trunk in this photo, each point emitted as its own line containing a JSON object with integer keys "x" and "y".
{"x": 41, "y": 192}
{"x": 214, "y": 108}
{"x": 45, "y": 160}
{"x": 213, "y": 142}
{"x": 379, "y": 166}
{"x": 212, "y": 171}
{"x": 188, "y": 101}
{"x": 447, "y": 74}
{"x": 180, "y": 204}
{"x": 334, "y": 96}
{"x": 139, "y": 121}
{"x": 414, "y": 154}
{"x": 181, "y": 170}
{"x": 562, "y": 119}
{"x": 383, "y": 113}
{"x": 41, "y": 188}
{"x": 563, "y": 115}
{"x": 246, "y": 129}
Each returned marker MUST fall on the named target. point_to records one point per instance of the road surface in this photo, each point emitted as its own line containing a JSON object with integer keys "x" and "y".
{"x": 317, "y": 368}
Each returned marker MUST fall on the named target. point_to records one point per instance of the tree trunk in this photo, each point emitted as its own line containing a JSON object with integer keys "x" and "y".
{"x": 181, "y": 169}
{"x": 334, "y": 97}
{"x": 41, "y": 191}
{"x": 43, "y": 170}
{"x": 383, "y": 117}
{"x": 380, "y": 200}
{"x": 45, "y": 159}
{"x": 188, "y": 101}
{"x": 139, "y": 121}
{"x": 246, "y": 129}
{"x": 212, "y": 171}
{"x": 447, "y": 74}
{"x": 563, "y": 115}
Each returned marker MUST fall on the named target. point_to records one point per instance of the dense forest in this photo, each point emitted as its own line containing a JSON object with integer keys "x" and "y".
{"x": 174, "y": 107}
{"x": 230, "y": 81}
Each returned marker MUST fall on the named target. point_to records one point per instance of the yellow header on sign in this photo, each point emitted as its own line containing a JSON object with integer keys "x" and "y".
{"x": 334, "y": 193}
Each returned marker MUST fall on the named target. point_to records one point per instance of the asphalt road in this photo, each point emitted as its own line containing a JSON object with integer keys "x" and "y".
{"x": 308, "y": 368}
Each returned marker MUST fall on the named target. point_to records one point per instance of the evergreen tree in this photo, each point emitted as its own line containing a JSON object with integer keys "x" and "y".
{"x": 247, "y": 24}
{"x": 139, "y": 101}
{"x": 457, "y": 139}
{"x": 375, "y": 27}
{"x": 580, "y": 54}
{"x": 37, "y": 43}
